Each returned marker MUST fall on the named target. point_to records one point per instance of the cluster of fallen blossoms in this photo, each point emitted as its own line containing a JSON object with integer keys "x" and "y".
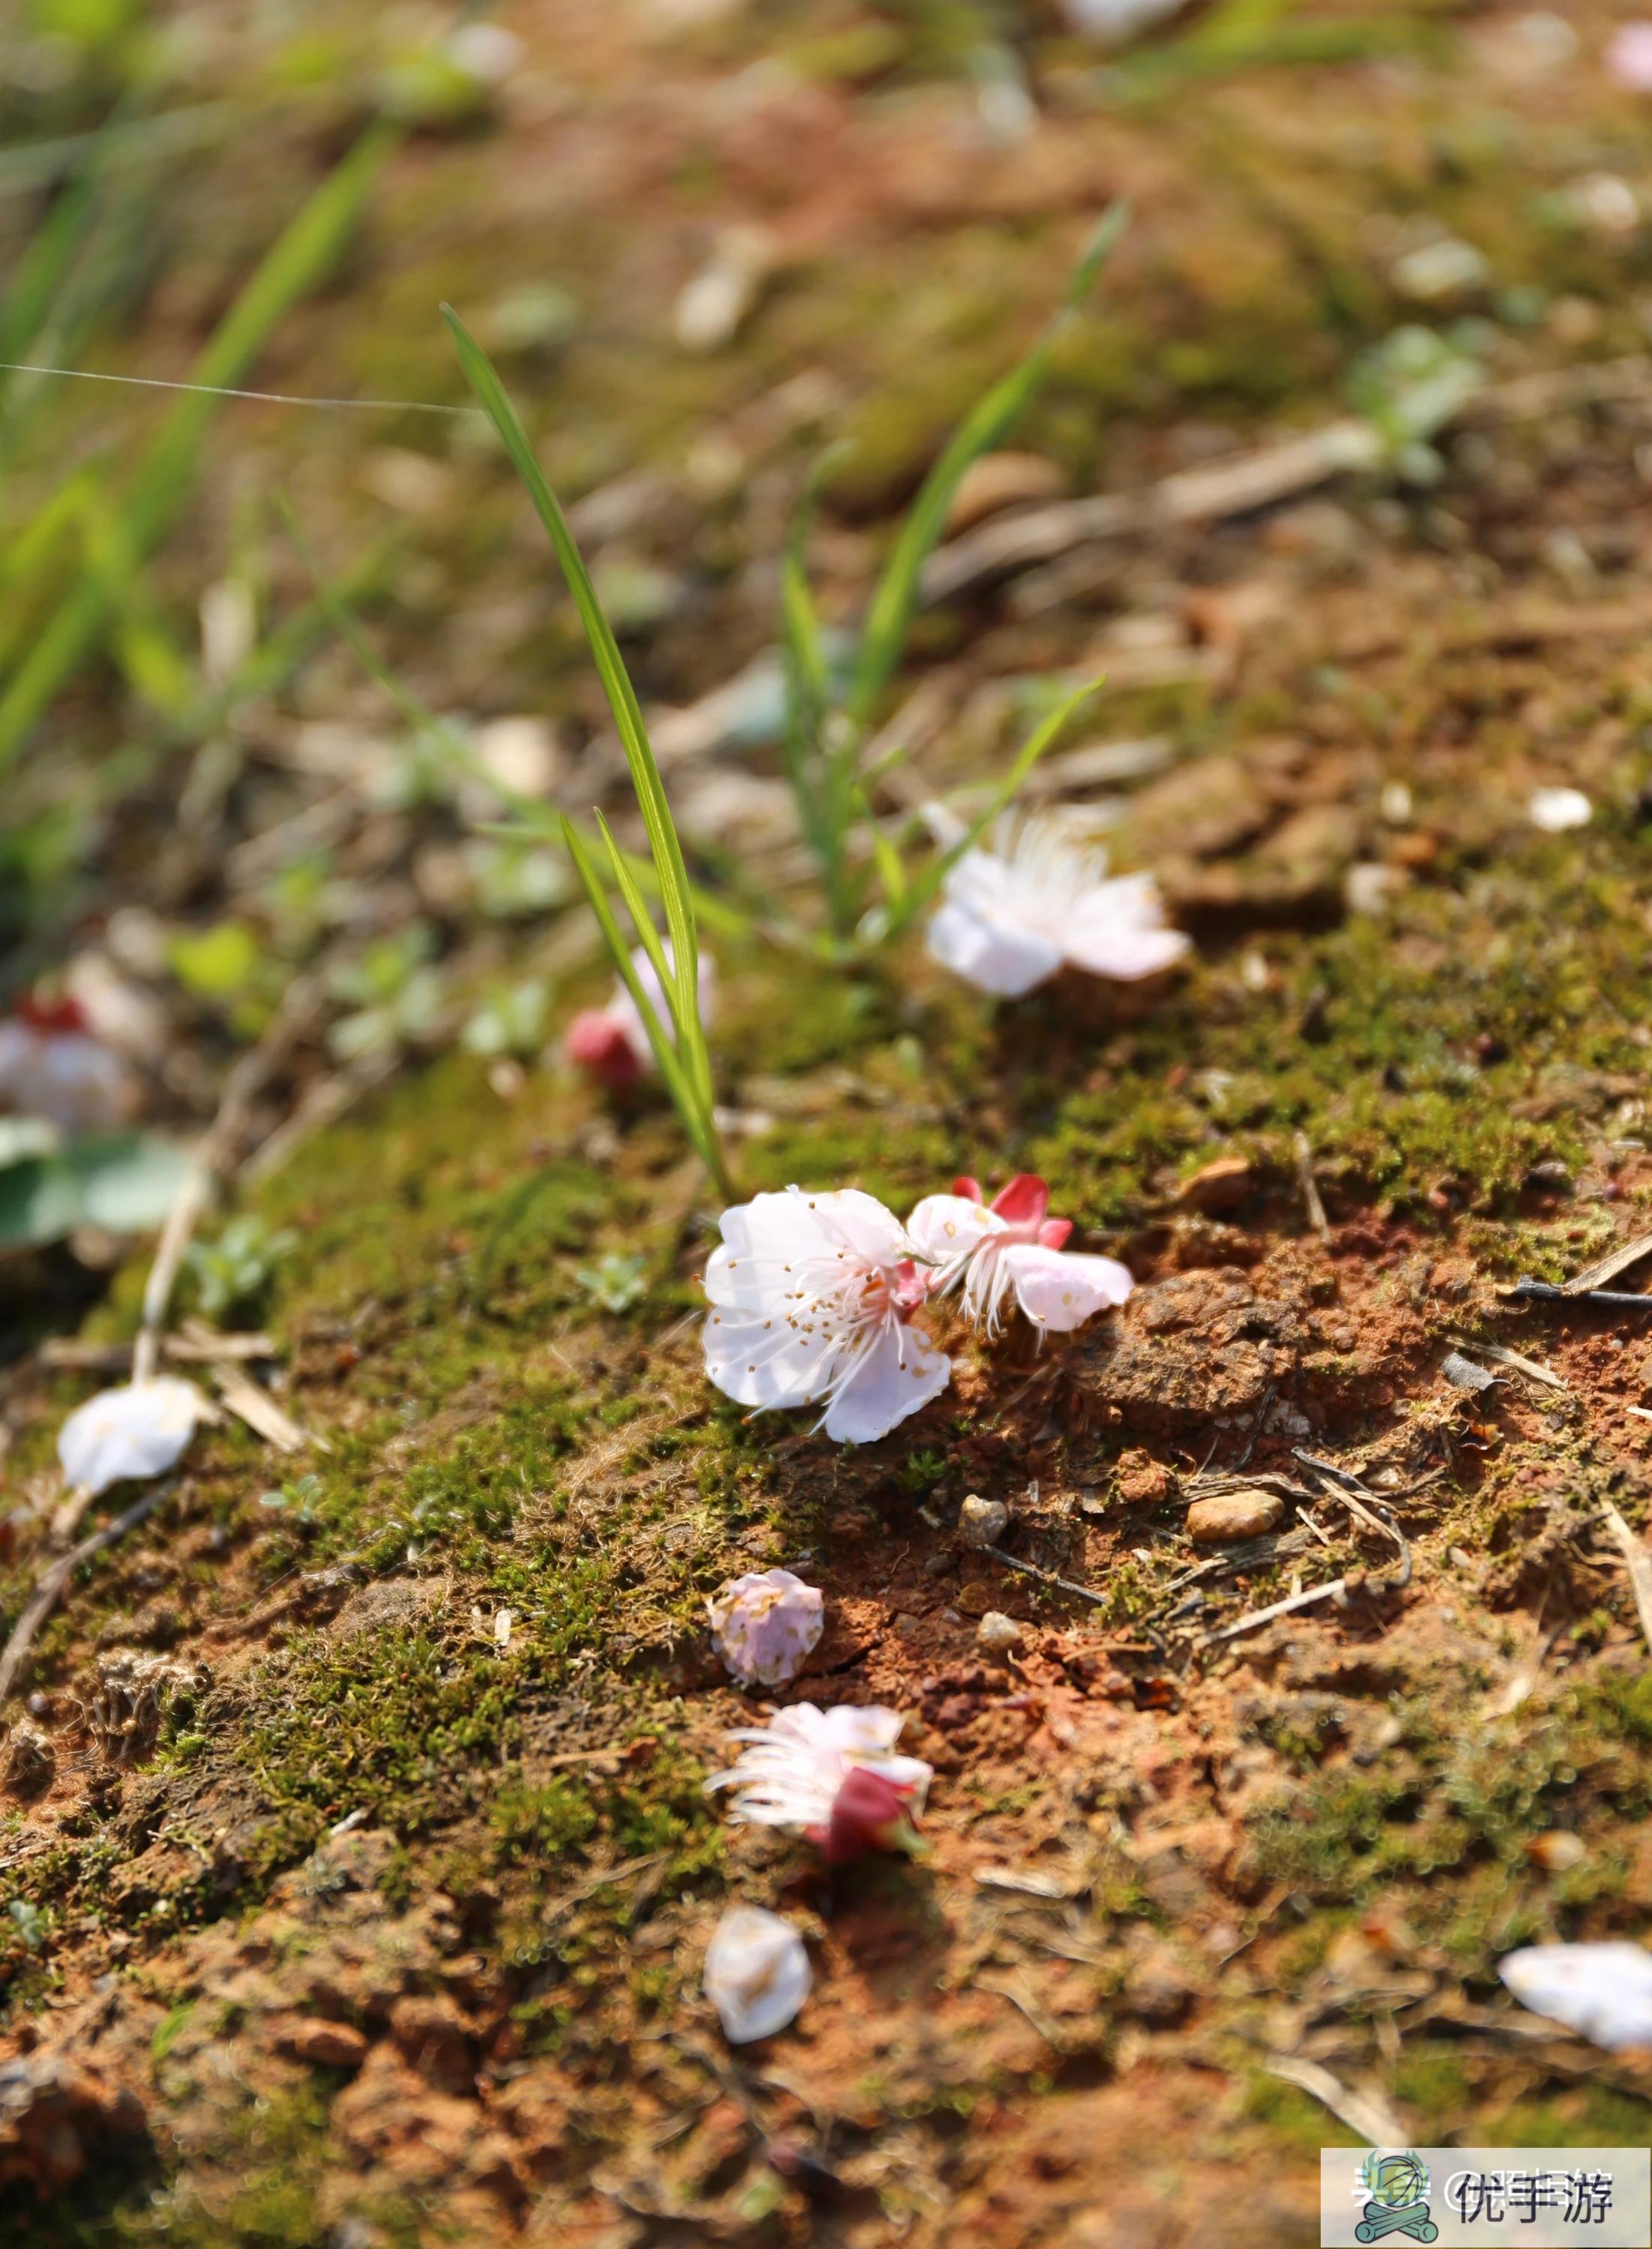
{"x": 815, "y": 1298}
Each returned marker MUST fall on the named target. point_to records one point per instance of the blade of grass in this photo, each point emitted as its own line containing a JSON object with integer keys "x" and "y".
{"x": 687, "y": 1020}
{"x": 883, "y": 637}
{"x": 697, "y": 1124}
{"x": 300, "y": 257}
{"x": 616, "y": 681}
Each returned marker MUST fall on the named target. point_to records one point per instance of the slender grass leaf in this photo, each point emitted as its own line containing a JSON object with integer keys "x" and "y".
{"x": 696, "y": 1121}
{"x": 686, "y": 1020}
{"x": 663, "y": 841}
{"x": 889, "y": 620}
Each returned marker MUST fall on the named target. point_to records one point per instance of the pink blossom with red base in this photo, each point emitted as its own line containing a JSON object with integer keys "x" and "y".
{"x": 1013, "y": 1244}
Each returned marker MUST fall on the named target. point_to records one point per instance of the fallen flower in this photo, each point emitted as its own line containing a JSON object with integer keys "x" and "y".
{"x": 1012, "y": 1243}
{"x": 833, "y": 1774}
{"x": 131, "y": 1433}
{"x": 812, "y": 1297}
{"x": 1554, "y": 810}
{"x": 1042, "y": 900}
{"x": 756, "y": 1973}
{"x": 1605, "y": 1991}
{"x": 765, "y": 1624}
{"x": 610, "y": 1044}
{"x": 53, "y": 1065}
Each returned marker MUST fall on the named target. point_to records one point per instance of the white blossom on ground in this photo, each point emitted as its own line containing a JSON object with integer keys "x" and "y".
{"x": 756, "y": 1973}
{"x": 1554, "y": 810}
{"x": 1013, "y": 1244}
{"x": 833, "y": 1774}
{"x": 812, "y": 1298}
{"x": 610, "y": 1044}
{"x": 53, "y": 1065}
{"x": 1604, "y": 1990}
{"x": 1628, "y": 57}
{"x": 765, "y": 1624}
{"x": 130, "y": 1433}
{"x": 1042, "y": 900}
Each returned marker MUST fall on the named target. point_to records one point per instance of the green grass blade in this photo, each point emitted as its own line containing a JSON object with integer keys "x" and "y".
{"x": 301, "y": 256}
{"x": 686, "y": 1020}
{"x": 889, "y": 620}
{"x": 698, "y": 1123}
{"x": 42, "y": 270}
{"x": 926, "y": 883}
{"x": 622, "y": 700}
{"x": 647, "y": 937}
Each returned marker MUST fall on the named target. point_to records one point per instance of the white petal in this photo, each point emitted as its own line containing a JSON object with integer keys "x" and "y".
{"x": 760, "y": 1359}
{"x": 945, "y": 1227}
{"x": 898, "y": 1372}
{"x": 1059, "y": 1290}
{"x": 768, "y": 1244}
{"x": 756, "y": 1973}
{"x": 1554, "y": 810}
{"x": 860, "y": 1223}
{"x": 996, "y": 955}
{"x": 137, "y": 1431}
{"x": 863, "y": 1731}
{"x": 1605, "y": 1991}
{"x": 1118, "y": 931}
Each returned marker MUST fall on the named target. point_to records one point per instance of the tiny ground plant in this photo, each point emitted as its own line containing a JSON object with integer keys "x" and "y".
{"x": 680, "y": 1050}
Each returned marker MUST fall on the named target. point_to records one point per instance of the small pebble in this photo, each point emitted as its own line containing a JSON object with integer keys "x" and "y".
{"x": 998, "y": 1633}
{"x": 1556, "y": 1851}
{"x": 1236, "y": 1514}
{"x": 982, "y": 1522}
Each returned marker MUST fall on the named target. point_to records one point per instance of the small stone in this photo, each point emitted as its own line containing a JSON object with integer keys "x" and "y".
{"x": 1144, "y": 1481}
{"x": 1236, "y": 1514}
{"x": 1218, "y": 1185}
{"x": 1159, "y": 1989}
{"x": 1556, "y": 1851}
{"x": 982, "y": 1522}
{"x": 1000, "y": 480}
{"x": 324, "y": 2045}
{"x": 998, "y": 1633}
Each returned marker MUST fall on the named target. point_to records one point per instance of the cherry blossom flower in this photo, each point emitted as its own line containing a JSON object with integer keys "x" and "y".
{"x": 812, "y": 1297}
{"x": 765, "y": 1624}
{"x": 756, "y": 1973}
{"x": 1628, "y": 57}
{"x": 53, "y": 1065}
{"x": 1012, "y": 1243}
{"x": 832, "y": 1773}
{"x": 1605, "y": 1991}
{"x": 610, "y": 1044}
{"x": 1042, "y": 900}
{"x": 135, "y": 1432}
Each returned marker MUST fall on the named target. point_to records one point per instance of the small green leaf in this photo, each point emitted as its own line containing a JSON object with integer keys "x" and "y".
{"x": 216, "y": 964}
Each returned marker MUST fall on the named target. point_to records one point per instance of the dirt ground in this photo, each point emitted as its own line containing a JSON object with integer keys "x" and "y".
{"x": 334, "y": 1917}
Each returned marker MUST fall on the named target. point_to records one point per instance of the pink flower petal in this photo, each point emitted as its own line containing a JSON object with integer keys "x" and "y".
{"x": 1058, "y": 1290}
